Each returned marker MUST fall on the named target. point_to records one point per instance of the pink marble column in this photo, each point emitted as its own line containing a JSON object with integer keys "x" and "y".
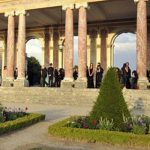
{"x": 68, "y": 53}
{"x": 82, "y": 43}
{"x": 141, "y": 41}
{"x": 47, "y": 48}
{"x": 56, "y": 49}
{"x": 104, "y": 49}
{"x": 21, "y": 44}
{"x": 10, "y": 45}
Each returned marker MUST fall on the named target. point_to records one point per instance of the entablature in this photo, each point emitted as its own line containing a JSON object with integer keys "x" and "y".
{"x": 8, "y": 5}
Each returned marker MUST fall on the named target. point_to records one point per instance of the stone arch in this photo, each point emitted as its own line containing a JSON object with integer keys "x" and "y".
{"x": 2, "y": 55}
{"x": 38, "y": 36}
{"x": 114, "y": 37}
{"x": 119, "y": 33}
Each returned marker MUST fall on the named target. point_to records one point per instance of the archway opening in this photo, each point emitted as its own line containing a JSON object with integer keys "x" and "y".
{"x": 2, "y": 61}
{"x": 34, "y": 61}
{"x": 75, "y": 63}
{"x": 125, "y": 50}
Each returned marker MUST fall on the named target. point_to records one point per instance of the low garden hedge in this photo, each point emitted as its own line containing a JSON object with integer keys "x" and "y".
{"x": 100, "y": 136}
{"x": 22, "y": 122}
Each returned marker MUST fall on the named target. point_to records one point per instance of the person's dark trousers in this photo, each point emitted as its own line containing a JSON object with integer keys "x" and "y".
{"x": 50, "y": 81}
{"x": 43, "y": 82}
{"x": 127, "y": 81}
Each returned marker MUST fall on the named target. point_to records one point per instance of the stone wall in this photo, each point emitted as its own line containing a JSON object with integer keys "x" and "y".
{"x": 137, "y": 100}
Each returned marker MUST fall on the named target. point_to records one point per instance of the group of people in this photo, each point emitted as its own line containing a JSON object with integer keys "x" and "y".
{"x": 126, "y": 78}
{"x": 54, "y": 76}
{"x": 98, "y": 76}
{"x": 90, "y": 75}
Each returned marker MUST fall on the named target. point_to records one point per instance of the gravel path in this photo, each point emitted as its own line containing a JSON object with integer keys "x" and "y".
{"x": 36, "y": 136}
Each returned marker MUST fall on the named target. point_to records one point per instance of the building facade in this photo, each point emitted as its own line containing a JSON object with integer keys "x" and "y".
{"x": 97, "y": 23}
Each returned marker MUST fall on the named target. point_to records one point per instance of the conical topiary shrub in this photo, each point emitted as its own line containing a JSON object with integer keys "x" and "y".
{"x": 110, "y": 103}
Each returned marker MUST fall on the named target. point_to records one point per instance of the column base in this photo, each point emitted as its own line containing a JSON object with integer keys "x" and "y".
{"x": 21, "y": 83}
{"x": 143, "y": 83}
{"x": 7, "y": 83}
{"x": 81, "y": 83}
{"x": 67, "y": 83}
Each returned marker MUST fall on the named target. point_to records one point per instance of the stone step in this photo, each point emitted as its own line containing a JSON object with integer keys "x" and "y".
{"x": 49, "y": 95}
{"x": 136, "y": 99}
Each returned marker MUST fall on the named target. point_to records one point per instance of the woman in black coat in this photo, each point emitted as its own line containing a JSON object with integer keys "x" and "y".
{"x": 99, "y": 76}
{"x": 91, "y": 76}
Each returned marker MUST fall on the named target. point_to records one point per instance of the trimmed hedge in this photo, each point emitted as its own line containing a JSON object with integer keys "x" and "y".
{"x": 110, "y": 103}
{"x": 19, "y": 123}
{"x": 101, "y": 136}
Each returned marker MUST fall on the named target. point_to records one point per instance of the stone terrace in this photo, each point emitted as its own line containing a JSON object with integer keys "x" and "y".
{"x": 137, "y": 100}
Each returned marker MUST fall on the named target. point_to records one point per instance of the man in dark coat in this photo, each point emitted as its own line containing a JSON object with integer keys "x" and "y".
{"x": 75, "y": 74}
{"x": 15, "y": 73}
{"x": 43, "y": 76}
{"x": 51, "y": 75}
{"x": 57, "y": 78}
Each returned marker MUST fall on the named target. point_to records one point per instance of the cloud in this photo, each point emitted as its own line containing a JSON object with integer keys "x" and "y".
{"x": 125, "y": 50}
{"x": 126, "y": 38}
{"x": 124, "y": 47}
{"x": 33, "y": 48}
{"x": 34, "y": 42}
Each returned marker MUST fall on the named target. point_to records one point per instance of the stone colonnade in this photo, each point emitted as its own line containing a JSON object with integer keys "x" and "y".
{"x": 68, "y": 51}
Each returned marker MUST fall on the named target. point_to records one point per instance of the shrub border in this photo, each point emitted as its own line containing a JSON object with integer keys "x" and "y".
{"x": 98, "y": 136}
{"x": 19, "y": 123}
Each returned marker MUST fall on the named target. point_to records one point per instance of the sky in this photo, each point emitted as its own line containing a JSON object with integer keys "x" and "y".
{"x": 124, "y": 50}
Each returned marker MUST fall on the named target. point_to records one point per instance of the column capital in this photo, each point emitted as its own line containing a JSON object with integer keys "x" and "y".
{"x": 93, "y": 33}
{"x": 136, "y": 1}
{"x": 78, "y": 5}
{"x": 70, "y": 6}
{"x": 9, "y": 13}
{"x": 18, "y": 12}
{"x": 104, "y": 32}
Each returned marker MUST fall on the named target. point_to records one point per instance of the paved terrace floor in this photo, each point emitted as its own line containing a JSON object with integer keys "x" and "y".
{"x": 37, "y": 135}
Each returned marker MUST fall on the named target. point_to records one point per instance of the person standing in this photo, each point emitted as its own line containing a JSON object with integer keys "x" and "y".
{"x": 43, "y": 76}
{"x": 75, "y": 74}
{"x": 4, "y": 75}
{"x": 134, "y": 80}
{"x": 99, "y": 75}
{"x": 57, "y": 78}
{"x": 122, "y": 80}
{"x": 51, "y": 74}
{"x": 127, "y": 75}
{"x": 15, "y": 73}
{"x": 91, "y": 76}
{"x": 148, "y": 75}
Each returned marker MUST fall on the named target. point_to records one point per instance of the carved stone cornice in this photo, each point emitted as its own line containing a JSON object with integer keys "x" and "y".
{"x": 18, "y": 12}
{"x": 70, "y": 6}
{"x": 104, "y": 33}
{"x": 93, "y": 34}
{"x": 9, "y": 13}
{"x": 78, "y": 5}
